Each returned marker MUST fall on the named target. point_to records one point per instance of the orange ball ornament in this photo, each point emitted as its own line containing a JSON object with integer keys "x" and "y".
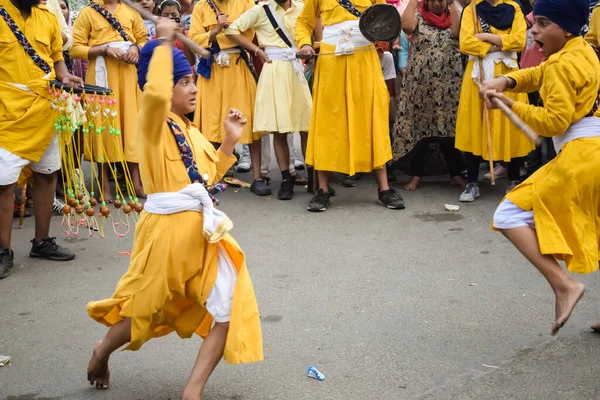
{"x": 138, "y": 207}
{"x": 118, "y": 204}
{"x": 66, "y": 210}
{"x": 90, "y": 212}
{"x": 104, "y": 211}
{"x": 79, "y": 209}
{"x": 131, "y": 203}
{"x": 80, "y": 196}
{"x": 72, "y": 202}
{"x": 127, "y": 209}
{"x": 93, "y": 202}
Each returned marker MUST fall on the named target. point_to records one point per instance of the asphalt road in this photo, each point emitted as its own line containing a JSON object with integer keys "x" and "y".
{"x": 413, "y": 304}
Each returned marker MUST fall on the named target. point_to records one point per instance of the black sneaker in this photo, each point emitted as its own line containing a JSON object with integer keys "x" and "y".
{"x": 259, "y": 188}
{"x": 286, "y": 192}
{"x": 48, "y": 249}
{"x": 349, "y": 181}
{"x": 319, "y": 202}
{"x": 391, "y": 199}
{"x": 6, "y": 262}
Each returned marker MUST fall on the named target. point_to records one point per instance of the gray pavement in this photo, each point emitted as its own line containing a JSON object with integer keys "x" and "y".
{"x": 413, "y": 304}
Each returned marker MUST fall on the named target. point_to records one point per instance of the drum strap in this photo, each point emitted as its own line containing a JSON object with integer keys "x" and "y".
{"x": 111, "y": 19}
{"x": 350, "y": 8}
{"x": 37, "y": 59}
{"x": 278, "y": 29}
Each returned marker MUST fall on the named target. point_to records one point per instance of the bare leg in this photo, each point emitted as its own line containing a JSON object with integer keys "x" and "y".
{"x": 134, "y": 168}
{"x": 303, "y": 143}
{"x": 7, "y": 204}
{"x": 116, "y": 337}
{"x": 567, "y": 290}
{"x": 381, "y": 177}
{"x": 458, "y": 180}
{"x": 414, "y": 183}
{"x": 255, "y": 156}
{"x": 104, "y": 172}
{"x": 44, "y": 187}
{"x": 282, "y": 151}
{"x": 323, "y": 177}
{"x": 209, "y": 356}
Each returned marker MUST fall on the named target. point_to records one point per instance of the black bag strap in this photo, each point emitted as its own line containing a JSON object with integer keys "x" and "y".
{"x": 273, "y": 21}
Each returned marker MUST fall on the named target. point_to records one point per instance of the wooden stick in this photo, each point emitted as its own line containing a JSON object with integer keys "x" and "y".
{"x": 201, "y": 51}
{"x": 486, "y": 112}
{"x": 518, "y": 122}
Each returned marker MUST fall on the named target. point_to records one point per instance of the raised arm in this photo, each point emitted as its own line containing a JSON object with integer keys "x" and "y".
{"x": 409, "y": 18}
{"x": 455, "y": 18}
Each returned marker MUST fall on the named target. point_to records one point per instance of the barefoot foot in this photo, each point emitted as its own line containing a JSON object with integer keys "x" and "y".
{"x": 97, "y": 372}
{"x": 596, "y": 327}
{"x": 191, "y": 393}
{"x": 458, "y": 180}
{"x": 566, "y": 300}
{"x": 414, "y": 183}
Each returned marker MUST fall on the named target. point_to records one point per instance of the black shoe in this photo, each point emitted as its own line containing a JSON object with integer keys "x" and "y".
{"x": 48, "y": 249}
{"x": 349, "y": 181}
{"x": 259, "y": 188}
{"x": 6, "y": 262}
{"x": 286, "y": 192}
{"x": 319, "y": 202}
{"x": 391, "y": 199}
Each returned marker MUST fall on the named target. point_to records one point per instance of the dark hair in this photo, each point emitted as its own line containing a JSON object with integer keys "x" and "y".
{"x": 169, "y": 3}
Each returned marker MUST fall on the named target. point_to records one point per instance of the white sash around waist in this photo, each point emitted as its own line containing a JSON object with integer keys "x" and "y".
{"x": 490, "y": 61}
{"x": 584, "y": 128}
{"x": 101, "y": 72}
{"x": 194, "y": 197}
{"x": 222, "y": 58}
{"x": 345, "y": 36}
{"x": 286, "y": 54}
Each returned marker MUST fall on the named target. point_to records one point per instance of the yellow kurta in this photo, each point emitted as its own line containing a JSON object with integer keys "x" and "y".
{"x": 64, "y": 28}
{"x": 471, "y": 134}
{"x": 91, "y": 29}
{"x": 593, "y": 35}
{"x": 173, "y": 268}
{"x": 349, "y": 129}
{"x": 565, "y": 193}
{"x": 231, "y": 86}
{"x": 283, "y": 103}
{"x": 26, "y": 118}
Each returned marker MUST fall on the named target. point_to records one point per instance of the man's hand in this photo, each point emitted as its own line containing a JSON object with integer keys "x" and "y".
{"x": 497, "y": 85}
{"x": 221, "y": 21}
{"x": 234, "y": 125}
{"x": 132, "y": 55}
{"x": 115, "y": 53}
{"x": 72, "y": 80}
{"x": 491, "y": 94}
{"x": 166, "y": 28}
{"x": 306, "y": 52}
{"x": 263, "y": 56}
{"x": 484, "y": 37}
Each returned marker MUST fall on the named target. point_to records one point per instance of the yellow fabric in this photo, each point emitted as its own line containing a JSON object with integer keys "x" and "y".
{"x": 91, "y": 29}
{"x": 232, "y": 86}
{"x": 471, "y": 134}
{"x": 27, "y": 115}
{"x": 593, "y": 34}
{"x": 565, "y": 193}
{"x": 283, "y": 102}
{"x": 173, "y": 268}
{"x": 349, "y": 129}
{"x": 64, "y": 28}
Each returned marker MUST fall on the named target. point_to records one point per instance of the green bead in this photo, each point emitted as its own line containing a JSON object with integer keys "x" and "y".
{"x": 118, "y": 132}
{"x": 91, "y": 126}
{"x": 102, "y": 160}
{"x": 92, "y": 194}
{"x": 77, "y": 202}
{"x": 86, "y": 131}
{"x": 118, "y": 197}
{"x": 136, "y": 200}
{"x": 73, "y": 129}
{"x": 80, "y": 124}
{"x": 130, "y": 198}
{"x": 98, "y": 131}
{"x": 103, "y": 204}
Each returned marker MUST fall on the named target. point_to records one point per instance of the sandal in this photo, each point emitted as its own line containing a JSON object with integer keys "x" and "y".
{"x": 299, "y": 180}
{"x": 17, "y": 212}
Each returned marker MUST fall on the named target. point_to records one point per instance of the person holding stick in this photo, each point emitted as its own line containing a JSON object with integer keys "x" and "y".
{"x": 186, "y": 271}
{"x": 499, "y": 34}
{"x": 555, "y": 214}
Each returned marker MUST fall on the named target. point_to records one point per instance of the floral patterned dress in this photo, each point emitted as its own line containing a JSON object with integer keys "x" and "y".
{"x": 430, "y": 91}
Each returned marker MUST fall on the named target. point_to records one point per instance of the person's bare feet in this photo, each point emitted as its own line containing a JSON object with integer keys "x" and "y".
{"x": 192, "y": 393}
{"x": 459, "y": 181}
{"x": 414, "y": 183}
{"x": 97, "y": 372}
{"x": 139, "y": 193}
{"x": 596, "y": 327}
{"x": 566, "y": 300}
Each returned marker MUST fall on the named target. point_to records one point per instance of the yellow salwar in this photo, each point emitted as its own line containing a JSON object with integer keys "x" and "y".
{"x": 565, "y": 193}
{"x": 91, "y": 29}
{"x": 26, "y": 118}
{"x": 471, "y": 134}
{"x": 349, "y": 129}
{"x": 283, "y": 102}
{"x": 173, "y": 268}
{"x": 593, "y": 35}
{"x": 228, "y": 86}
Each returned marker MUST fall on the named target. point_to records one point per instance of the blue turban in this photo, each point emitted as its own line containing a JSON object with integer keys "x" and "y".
{"x": 570, "y": 15}
{"x": 181, "y": 65}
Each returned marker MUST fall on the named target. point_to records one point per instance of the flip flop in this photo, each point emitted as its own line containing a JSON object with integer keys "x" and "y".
{"x": 236, "y": 182}
{"x": 299, "y": 180}
{"x": 17, "y": 213}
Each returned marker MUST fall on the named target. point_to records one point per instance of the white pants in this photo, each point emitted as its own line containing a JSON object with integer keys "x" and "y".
{"x": 11, "y": 164}
{"x": 220, "y": 298}
{"x": 508, "y": 215}
{"x": 266, "y": 153}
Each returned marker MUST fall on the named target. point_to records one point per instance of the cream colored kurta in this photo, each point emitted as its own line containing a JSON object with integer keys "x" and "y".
{"x": 173, "y": 268}
{"x": 283, "y": 102}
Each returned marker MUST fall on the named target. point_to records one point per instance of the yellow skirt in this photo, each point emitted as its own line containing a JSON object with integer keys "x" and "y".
{"x": 122, "y": 79}
{"x": 565, "y": 197}
{"x": 228, "y": 87}
{"x": 349, "y": 130}
{"x": 171, "y": 273}
{"x": 471, "y": 134}
{"x": 283, "y": 102}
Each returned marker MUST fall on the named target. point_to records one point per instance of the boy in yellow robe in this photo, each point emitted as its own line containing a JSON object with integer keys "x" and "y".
{"x": 593, "y": 35}
{"x": 186, "y": 271}
{"x": 27, "y": 135}
{"x": 349, "y": 128}
{"x": 555, "y": 214}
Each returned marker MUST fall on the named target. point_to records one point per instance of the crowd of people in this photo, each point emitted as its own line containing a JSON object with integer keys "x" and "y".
{"x": 180, "y": 118}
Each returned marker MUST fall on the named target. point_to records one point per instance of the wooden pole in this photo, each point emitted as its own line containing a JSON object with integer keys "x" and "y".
{"x": 486, "y": 112}
{"x": 201, "y": 51}
{"x": 518, "y": 122}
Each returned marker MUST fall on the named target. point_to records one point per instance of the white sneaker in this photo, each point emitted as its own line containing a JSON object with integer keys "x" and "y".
{"x": 244, "y": 164}
{"x": 470, "y": 194}
{"x": 58, "y": 205}
{"x": 499, "y": 173}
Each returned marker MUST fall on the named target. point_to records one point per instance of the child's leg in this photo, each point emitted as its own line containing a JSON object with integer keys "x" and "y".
{"x": 118, "y": 335}
{"x": 567, "y": 290}
{"x": 209, "y": 356}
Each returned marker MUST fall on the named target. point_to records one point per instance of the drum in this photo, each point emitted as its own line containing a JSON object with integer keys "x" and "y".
{"x": 87, "y": 89}
{"x": 380, "y": 23}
